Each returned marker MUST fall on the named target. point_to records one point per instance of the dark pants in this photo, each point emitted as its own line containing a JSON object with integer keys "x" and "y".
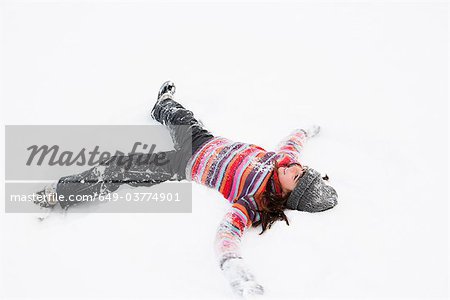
{"x": 117, "y": 170}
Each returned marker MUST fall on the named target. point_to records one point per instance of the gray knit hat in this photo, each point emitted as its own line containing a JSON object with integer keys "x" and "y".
{"x": 312, "y": 194}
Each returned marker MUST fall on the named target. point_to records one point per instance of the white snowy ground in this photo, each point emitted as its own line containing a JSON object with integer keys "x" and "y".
{"x": 373, "y": 75}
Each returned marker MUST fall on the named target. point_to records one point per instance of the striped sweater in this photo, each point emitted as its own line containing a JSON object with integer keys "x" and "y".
{"x": 240, "y": 172}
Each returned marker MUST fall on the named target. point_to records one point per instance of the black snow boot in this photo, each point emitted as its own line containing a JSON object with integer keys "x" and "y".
{"x": 47, "y": 197}
{"x": 167, "y": 89}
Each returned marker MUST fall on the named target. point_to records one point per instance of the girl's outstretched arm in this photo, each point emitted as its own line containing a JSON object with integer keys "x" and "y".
{"x": 293, "y": 143}
{"x": 228, "y": 254}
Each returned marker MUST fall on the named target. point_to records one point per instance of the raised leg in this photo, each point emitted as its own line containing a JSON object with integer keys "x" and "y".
{"x": 172, "y": 114}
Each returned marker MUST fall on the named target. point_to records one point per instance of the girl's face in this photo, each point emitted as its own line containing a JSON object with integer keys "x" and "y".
{"x": 289, "y": 177}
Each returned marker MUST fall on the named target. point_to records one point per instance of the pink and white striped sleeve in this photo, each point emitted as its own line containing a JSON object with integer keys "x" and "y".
{"x": 228, "y": 252}
{"x": 230, "y": 232}
{"x": 293, "y": 143}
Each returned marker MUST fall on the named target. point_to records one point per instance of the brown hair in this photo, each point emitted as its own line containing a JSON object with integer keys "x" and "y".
{"x": 272, "y": 207}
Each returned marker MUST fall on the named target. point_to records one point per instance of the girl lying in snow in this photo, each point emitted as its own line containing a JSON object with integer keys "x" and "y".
{"x": 259, "y": 184}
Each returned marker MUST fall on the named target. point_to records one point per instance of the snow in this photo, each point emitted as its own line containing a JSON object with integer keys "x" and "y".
{"x": 373, "y": 75}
